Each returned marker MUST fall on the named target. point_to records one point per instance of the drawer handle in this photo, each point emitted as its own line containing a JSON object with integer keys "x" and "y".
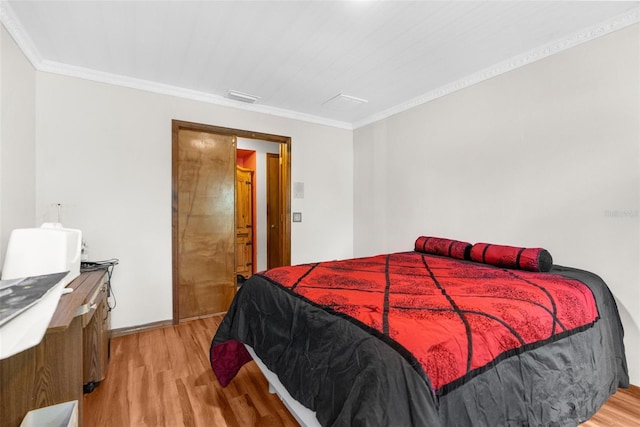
{"x": 83, "y": 309}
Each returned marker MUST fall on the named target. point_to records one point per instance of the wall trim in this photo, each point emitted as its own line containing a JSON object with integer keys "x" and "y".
{"x": 22, "y": 39}
{"x": 541, "y": 52}
{"x": 129, "y": 330}
{"x": 165, "y": 89}
{"x": 113, "y": 333}
{"x": 13, "y": 26}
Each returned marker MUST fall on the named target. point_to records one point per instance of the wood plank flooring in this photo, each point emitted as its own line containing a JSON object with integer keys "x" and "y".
{"x": 162, "y": 377}
{"x": 621, "y": 410}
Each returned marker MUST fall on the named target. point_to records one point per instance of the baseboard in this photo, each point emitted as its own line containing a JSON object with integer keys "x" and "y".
{"x": 206, "y": 316}
{"x": 155, "y": 325}
{"x": 140, "y": 328}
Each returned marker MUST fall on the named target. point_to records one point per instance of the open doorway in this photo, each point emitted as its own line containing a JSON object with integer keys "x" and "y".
{"x": 193, "y": 257}
{"x": 258, "y": 218}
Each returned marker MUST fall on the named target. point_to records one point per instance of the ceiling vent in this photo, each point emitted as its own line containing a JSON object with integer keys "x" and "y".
{"x": 342, "y": 102}
{"x": 241, "y": 96}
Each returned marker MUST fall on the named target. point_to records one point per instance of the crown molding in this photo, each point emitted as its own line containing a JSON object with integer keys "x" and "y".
{"x": 15, "y": 29}
{"x": 609, "y": 26}
{"x": 164, "y": 89}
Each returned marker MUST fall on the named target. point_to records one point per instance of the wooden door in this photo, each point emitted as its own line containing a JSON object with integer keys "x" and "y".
{"x": 204, "y": 222}
{"x": 274, "y": 216}
{"x": 244, "y": 221}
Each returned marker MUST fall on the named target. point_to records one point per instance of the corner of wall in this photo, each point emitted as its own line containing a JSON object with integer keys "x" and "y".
{"x": 17, "y": 136}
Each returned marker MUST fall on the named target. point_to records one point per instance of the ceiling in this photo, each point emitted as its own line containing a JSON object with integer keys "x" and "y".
{"x": 297, "y": 55}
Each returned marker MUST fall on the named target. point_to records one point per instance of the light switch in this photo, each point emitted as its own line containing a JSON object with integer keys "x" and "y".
{"x": 296, "y": 216}
{"x": 298, "y": 190}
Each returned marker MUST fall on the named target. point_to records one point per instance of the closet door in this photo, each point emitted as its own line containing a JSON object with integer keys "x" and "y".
{"x": 244, "y": 221}
{"x": 204, "y": 220}
{"x": 274, "y": 214}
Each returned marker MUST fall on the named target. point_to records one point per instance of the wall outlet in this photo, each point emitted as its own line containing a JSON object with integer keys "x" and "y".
{"x": 296, "y": 216}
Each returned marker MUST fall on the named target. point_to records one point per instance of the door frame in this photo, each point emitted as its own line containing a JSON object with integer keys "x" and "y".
{"x": 285, "y": 189}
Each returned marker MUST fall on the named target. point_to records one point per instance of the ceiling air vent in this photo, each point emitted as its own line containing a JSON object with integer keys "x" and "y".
{"x": 241, "y": 96}
{"x": 342, "y": 102}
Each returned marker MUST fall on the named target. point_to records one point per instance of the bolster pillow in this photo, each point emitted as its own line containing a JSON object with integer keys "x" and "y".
{"x": 443, "y": 247}
{"x": 530, "y": 259}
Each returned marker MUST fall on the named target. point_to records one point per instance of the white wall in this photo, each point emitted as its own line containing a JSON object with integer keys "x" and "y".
{"x": 260, "y": 184}
{"x": 546, "y": 155}
{"x": 17, "y": 140}
{"x": 104, "y": 153}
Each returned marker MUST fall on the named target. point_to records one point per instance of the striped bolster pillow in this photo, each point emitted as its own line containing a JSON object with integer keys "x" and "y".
{"x": 530, "y": 259}
{"x": 443, "y": 247}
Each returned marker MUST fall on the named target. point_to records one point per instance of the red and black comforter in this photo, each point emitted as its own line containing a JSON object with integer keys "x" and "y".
{"x": 417, "y": 339}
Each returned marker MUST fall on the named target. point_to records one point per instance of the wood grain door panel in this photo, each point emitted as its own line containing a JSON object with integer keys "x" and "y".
{"x": 244, "y": 221}
{"x": 274, "y": 215}
{"x": 205, "y": 222}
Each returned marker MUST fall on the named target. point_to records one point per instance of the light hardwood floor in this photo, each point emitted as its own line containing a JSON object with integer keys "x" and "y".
{"x": 162, "y": 377}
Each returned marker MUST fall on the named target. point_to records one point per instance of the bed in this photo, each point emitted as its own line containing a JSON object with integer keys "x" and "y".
{"x": 450, "y": 334}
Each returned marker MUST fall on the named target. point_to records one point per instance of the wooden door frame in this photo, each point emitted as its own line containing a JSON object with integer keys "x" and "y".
{"x": 285, "y": 189}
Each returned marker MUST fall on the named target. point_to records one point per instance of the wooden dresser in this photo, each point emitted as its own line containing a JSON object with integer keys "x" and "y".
{"x": 73, "y": 352}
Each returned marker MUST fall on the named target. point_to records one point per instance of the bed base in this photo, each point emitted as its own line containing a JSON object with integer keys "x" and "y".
{"x": 305, "y": 416}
